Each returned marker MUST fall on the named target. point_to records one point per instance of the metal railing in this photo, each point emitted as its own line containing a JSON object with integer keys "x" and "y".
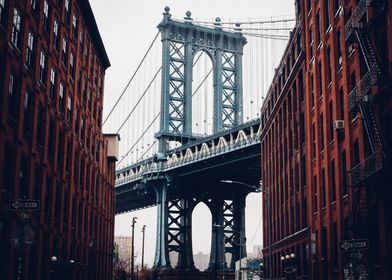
{"x": 190, "y": 156}
{"x": 366, "y": 168}
{"x": 353, "y": 21}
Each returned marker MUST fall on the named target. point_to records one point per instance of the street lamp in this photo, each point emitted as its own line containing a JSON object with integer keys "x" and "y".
{"x": 260, "y": 189}
{"x": 288, "y": 264}
{"x": 239, "y": 244}
{"x": 143, "y": 231}
{"x": 133, "y": 245}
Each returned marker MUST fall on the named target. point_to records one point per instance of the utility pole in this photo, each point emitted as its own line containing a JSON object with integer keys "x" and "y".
{"x": 133, "y": 246}
{"x": 143, "y": 231}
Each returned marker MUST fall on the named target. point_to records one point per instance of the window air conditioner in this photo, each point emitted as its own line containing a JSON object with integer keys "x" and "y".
{"x": 338, "y": 125}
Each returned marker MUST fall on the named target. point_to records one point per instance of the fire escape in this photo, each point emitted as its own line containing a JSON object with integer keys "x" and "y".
{"x": 365, "y": 93}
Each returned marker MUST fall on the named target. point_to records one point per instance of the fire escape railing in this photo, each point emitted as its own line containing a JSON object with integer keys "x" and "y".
{"x": 361, "y": 97}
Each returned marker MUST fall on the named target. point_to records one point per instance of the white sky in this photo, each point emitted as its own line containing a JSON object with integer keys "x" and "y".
{"x": 127, "y": 28}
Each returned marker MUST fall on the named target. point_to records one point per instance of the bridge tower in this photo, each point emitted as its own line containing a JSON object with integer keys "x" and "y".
{"x": 181, "y": 40}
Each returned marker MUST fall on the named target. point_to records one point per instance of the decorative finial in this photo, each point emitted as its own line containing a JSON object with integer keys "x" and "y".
{"x": 188, "y": 16}
{"x": 217, "y": 23}
{"x": 167, "y": 9}
{"x": 237, "y": 28}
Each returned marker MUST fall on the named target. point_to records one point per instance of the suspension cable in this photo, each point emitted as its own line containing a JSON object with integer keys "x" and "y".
{"x": 139, "y": 100}
{"x": 133, "y": 76}
{"x": 137, "y": 141}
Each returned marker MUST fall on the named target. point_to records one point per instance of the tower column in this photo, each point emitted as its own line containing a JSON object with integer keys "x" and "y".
{"x": 217, "y": 258}
{"x": 161, "y": 249}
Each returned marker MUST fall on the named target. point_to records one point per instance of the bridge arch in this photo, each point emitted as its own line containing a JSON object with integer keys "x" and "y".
{"x": 203, "y": 97}
{"x": 201, "y": 235}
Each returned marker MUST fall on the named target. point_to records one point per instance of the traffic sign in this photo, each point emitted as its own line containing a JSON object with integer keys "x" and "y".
{"x": 354, "y": 245}
{"x": 356, "y": 255}
{"x": 27, "y": 204}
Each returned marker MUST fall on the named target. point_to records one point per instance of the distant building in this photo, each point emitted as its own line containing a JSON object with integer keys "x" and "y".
{"x": 257, "y": 251}
{"x": 52, "y": 149}
{"x": 124, "y": 249}
{"x": 201, "y": 260}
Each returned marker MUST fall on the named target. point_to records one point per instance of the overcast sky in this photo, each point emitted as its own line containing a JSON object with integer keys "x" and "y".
{"x": 127, "y": 28}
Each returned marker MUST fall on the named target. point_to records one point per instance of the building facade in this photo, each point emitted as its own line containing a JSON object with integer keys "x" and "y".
{"x": 326, "y": 133}
{"x": 52, "y": 67}
{"x": 124, "y": 244}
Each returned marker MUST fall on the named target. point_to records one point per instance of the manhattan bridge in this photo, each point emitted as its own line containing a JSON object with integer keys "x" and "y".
{"x": 189, "y": 123}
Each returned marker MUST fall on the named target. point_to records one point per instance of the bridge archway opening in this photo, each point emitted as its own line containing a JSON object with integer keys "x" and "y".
{"x": 201, "y": 235}
{"x": 202, "y": 94}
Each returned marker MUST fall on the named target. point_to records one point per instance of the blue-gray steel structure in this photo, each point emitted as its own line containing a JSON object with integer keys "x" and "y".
{"x": 180, "y": 42}
{"x": 176, "y": 180}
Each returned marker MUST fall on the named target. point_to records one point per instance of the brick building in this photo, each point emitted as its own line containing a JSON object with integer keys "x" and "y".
{"x": 52, "y": 67}
{"x": 326, "y": 129}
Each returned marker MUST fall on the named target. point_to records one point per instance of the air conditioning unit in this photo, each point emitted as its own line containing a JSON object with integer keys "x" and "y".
{"x": 338, "y": 125}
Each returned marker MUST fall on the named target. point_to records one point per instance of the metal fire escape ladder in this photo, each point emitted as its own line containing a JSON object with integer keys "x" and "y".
{"x": 361, "y": 96}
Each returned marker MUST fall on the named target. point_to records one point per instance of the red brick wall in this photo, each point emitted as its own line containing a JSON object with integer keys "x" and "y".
{"x": 64, "y": 165}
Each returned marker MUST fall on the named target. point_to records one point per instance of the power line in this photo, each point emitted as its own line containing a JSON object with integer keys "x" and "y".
{"x": 129, "y": 82}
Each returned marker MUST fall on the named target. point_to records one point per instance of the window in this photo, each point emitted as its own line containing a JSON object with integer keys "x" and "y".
{"x": 2, "y": 12}
{"x": 314, "y": 140}
{"x": 327, "y": 15}
{"x": 339, "y": 46}
{"x": 329, "y": 72}
{"x": 356, "y": 153}
{"x": 341, "y": 103}
{"x": 46, "y": 17}
{"x": 34, "y": 6}
{"x": 72, "y": 66}
{"x": 315, "y": 194}
{"x": 344, "y": 171}
{"x": 69, "y": 110}
{"x": 12, "y": 97}
{"x": 27, "y": 112}
{"x": 66, "y": 9}
{"x": 56, "y": 34}
{"x": 320, "y": 76}
{"x": 318, "y": 29}
{"x": 53, "y": 78}
{"x": 300, "y": 87}
{"x": 311, "y": 41}
{"x": 51, "y": 138}
{"x": 323, "y": 191}
{"x": 322, "y": 131}
{"x": 16, "y": 28}
{"x": 336, "y": 6}
{"x": 40, "y": 125}
{"x": 353, "y": 91}
{"x": 302, "y": 128}
{"x": 61, "y": 97}
{"x": 303, "y": 171}
{"x": 330, "y": 121}
{"x": 333, "y": 183}
{"x": 75, "y": 26}
{"x": 334, "y": 245}
{"x": 81, "y": 40}
{"x": 312, "y": 87}
{"x": 30, "y": 50}
{"x": 42, "y": 67}
{"x": 64, "y": 54}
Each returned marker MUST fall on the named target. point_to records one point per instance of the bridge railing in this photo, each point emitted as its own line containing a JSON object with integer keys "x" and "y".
{"x": 192, "y": 154}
